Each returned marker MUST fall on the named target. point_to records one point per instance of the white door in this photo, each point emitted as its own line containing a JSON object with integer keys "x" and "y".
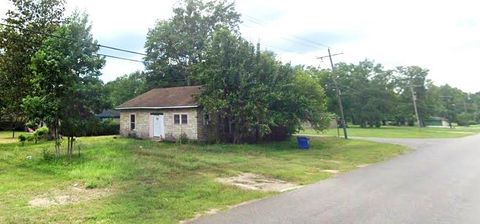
{"x": 158, "y": 126}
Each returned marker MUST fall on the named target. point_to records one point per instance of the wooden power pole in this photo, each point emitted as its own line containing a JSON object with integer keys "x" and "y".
{"x": 339, "y": 98}
{"x": 414, "y": 98}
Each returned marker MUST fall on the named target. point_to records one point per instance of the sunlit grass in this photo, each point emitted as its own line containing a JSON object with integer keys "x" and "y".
{"x": 400, "y": 132}
{"x": 162, "y": 182}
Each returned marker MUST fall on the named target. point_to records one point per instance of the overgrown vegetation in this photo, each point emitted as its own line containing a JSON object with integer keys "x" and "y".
{"x": 154, "y": 182}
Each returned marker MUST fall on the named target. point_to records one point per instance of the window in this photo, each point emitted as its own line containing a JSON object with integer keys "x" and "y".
{"x": 176, "y": 119}
{"x": 132, "y": 121}
{"x": 184, "y": 119}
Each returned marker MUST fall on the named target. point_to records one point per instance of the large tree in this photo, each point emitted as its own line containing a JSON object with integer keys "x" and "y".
{"x": 27, "y": 26}
{"x": 175, "y": 46}
{"x": 412, "y": 82}
{"x": 126, "y": 87}
{"x": 252, "y": 96}
{"x": 66, "y": 72}
{"x": 366, "y": 90}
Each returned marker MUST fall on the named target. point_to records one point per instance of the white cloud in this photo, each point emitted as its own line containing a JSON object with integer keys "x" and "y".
{"x": 443, "y": 36}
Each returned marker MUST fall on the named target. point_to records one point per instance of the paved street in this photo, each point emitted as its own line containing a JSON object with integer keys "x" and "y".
{"x": 439, "y": 182}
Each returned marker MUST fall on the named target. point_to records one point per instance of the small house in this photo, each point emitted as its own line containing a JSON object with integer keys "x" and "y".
{"x": 437, "y": 122}
{"x": 164, "y": 114}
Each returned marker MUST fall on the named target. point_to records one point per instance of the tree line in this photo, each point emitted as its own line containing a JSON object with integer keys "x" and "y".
{"x": 375, "y": 96}
{"x": 50, "y": 75}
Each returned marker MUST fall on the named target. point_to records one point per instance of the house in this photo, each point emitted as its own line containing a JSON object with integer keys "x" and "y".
{"x": 437, "y": 122}
{"x": 108, "y": 115}
{"x": 164, "y": 114}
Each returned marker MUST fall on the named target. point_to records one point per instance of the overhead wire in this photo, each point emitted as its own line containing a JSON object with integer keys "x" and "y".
{"x": 99, "y": 45}
{"x": 120, "y": 58}
{"x": 291, "y": 37}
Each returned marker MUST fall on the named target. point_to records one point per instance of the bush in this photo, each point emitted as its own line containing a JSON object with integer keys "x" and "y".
{"x": 109, "y": 127}
{"x": 31, "y": 138}
{"x": 39, "y": 134}
{"x": 183, "y": 138}
{"x": 464, "y": 119}
{"x": 42, "y": 132}
{"x": 22, "y": 138}
{"x": 106, "y": 127}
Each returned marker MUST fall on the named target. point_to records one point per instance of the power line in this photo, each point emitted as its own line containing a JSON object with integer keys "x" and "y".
{"x": 272, "y": 47}
{"x": 290, "y": 37}
{"x": 120, "y": 58}
{"x": 123, "y": 50}
{"x": 56, "y": 36}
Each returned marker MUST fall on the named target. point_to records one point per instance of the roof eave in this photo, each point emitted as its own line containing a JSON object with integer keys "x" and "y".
{"x": 156, "y": 108}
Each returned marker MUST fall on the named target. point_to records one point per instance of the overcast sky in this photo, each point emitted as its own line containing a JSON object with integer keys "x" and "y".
{"x": 443, "y": 36}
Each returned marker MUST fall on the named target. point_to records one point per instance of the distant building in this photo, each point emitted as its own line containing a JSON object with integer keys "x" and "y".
{"x": 437, "y": 122}
{"x": 108, "y": 114}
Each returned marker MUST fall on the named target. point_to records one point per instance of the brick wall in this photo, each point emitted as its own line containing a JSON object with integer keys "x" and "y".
{"x": 194, "y": 128}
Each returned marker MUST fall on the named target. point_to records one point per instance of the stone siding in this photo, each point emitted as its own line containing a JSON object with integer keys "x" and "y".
{"x": 194, "y": 128}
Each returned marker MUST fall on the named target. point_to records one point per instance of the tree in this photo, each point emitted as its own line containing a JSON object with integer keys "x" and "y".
{"x": 66, "y": 72}
{"x": 301, "y": 100}
{"x": 176, "y": 46}
{"x": 27, "y": 26}
{"x": 227, "y": 80}
{"x": 252, "y": 96}
{"x": 126, "y": 87}
{"x": 356, "y": 82}
{"x": 454, "y": 102}
{"x": 412, "y": 78}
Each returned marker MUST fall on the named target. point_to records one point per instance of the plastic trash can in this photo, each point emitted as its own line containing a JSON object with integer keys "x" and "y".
{"x": 303, "y": 142}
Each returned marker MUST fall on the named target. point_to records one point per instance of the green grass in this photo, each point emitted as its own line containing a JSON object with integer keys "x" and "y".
{"x": 6, "y": 136}
{"x": 400, "y": 132}
{"x": 162, "y": 182}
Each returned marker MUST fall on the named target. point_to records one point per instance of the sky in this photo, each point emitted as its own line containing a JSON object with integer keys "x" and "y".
{"x": 442, "y": 36}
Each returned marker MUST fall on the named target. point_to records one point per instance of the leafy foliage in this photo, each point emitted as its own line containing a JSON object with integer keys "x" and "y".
{"x": 28, "y": 25}
{"x": 67, "y": 88}
{"x": 252, "y": 96}
{"x": 126, "y": 87}
{"x": 174, "y": 47}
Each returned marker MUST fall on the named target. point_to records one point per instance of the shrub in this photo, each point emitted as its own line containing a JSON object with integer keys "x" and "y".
{"x": 106, "y": 127}
{"x": 22, "y": 138}
{"x": 464, "y": 119}
{"x": 42, "y": 132}
{"x": 109, "y": 127}
{"x": 183, "y": 138}
{"x": 30, "y": 138}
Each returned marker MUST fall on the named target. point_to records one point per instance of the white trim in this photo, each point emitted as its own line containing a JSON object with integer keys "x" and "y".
{"x": 154, "y": 108}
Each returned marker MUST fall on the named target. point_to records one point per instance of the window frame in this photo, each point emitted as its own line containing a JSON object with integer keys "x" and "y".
{"x": 176, "y": 119}
{"x": 133, "y": 124}
{"x": 182, "y": 120}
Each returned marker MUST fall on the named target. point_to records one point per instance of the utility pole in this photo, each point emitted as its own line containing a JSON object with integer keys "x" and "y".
{"x": 465, "y": 103}
{"x": 339, "y": 98}
{"x": 414, "y": 98}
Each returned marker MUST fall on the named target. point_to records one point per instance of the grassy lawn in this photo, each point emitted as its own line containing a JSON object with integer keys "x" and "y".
{"x": 6, "y": 136}
{"x": 152, "y": 182}
{"x": 401, "y": 132}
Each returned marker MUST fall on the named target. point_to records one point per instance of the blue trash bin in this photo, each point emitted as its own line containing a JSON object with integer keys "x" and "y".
{"x": 303, "y": 142}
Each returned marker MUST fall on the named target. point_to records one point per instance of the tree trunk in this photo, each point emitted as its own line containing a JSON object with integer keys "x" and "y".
{"x": 57, "y": 139}
{"x": 70, "y": 145}
{"x": 14, "y": 122}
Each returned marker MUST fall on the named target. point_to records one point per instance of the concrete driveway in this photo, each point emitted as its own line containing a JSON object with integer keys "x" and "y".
{"x": 439, "y": 182}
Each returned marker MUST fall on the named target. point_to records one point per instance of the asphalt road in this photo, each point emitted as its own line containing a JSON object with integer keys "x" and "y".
{"x": 439, "y": 182}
